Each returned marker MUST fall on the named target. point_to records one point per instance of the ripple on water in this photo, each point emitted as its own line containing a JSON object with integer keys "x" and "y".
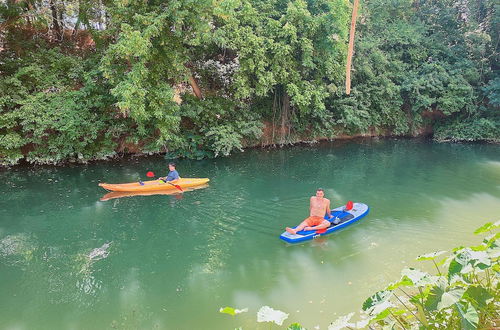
{"x": 19, "y": 246}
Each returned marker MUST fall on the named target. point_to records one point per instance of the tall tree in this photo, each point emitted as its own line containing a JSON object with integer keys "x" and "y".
{"x": 56, "y": 19}
{"x": 155, "y": 43}
{"x": 293, "y": 51}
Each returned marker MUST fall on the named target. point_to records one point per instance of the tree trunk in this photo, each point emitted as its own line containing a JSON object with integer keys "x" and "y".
{"x": 195, "y": 87}
{"x": 81, "y": 13}
{"x": 351, "y": 48}
{"x": 61, "y": 21}
{"x": 285, "y": 118}
{"x": 55, "y": 20}
{"x": 101, "y": 21}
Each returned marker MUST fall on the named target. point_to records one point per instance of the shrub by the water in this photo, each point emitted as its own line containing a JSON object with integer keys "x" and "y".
{"x": 54, "y": 108}
{"x": 471, "y": 129}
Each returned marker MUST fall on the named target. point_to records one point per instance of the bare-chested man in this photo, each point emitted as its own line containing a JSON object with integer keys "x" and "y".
{"x": 317, "y": 210}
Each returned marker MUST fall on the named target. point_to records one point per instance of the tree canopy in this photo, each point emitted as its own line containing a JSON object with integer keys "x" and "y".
{"x": 82, "y": 80}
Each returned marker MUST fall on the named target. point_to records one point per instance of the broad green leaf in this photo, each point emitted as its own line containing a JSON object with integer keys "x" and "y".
{"x": 454, "y": 268}
{"x": 377, "y": 298}
{"x": 479, "y": 258}
{"x": 430, "y": 256}
{"x": 227, "y": 310}
{"x": 434, "y": 297}
{"x": 481, "y": 247}
{"x": 443, "y": 296}
{"x": 487, "y": 227}
{"x": 450, "y": 297}
{"x": 478, "y": 296}
{"x": 468, "y": 316}
{"x": 382, "y": 311}
{"x": 342, "y": 322}
{"x": 295, "y": 326}
{"x": 484, "y": 228}
{"x": 467, "y": 269}
{"x": 232, "y": 311}
{"x": 405, "y": 281}
{"x": 491, "y": 240}
{"x": 417, "y": 277}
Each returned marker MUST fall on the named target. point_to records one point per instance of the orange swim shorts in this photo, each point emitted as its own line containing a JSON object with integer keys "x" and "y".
{"x": 314, "y": 221}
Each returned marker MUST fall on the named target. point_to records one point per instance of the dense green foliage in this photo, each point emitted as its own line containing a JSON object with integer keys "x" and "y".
{"x": 154, "y": 43}
{"x": 209, "y": 128}
{"x": 424, "y": 62}
{"x": 289, "y": 51}
{"x": 45, "y": 117}
{"x": 81, "y": 80}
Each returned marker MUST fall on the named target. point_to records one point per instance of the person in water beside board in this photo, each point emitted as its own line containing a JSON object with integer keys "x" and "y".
{"x": 318, "y": 208}
{"x": 172, "y": 176}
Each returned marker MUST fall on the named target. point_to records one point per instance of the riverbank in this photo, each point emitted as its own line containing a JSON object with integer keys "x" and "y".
{"x": 273, "y": 136}
{"x": 265, "y": 142}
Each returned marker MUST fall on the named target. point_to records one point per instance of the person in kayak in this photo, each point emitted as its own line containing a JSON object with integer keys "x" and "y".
{"x": 319, "y": 206}
{"x": 172, "y": 175}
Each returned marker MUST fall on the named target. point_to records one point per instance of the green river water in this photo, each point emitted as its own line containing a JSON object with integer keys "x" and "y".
{"x": 175, "y": 260}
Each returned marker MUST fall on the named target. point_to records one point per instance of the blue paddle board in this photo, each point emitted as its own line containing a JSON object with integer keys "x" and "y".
{"x": 340, "y": 218}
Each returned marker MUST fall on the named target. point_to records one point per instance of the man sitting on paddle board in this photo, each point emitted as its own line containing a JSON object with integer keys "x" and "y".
{"x": 318, "y": 208}
{"x": 172, "y": 175}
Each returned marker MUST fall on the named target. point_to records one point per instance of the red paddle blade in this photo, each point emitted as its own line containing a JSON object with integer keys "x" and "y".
{"x": 178, "y": 187}
{"x": 321, "y": 231}
{"x": 349, "y": 206}
{"x": 150, "y": 174}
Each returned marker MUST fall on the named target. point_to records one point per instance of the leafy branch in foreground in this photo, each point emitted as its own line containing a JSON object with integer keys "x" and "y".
{"x": 464, "y": 295}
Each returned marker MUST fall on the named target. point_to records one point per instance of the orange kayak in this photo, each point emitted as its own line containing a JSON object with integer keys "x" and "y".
{"x": 153, "y": 185}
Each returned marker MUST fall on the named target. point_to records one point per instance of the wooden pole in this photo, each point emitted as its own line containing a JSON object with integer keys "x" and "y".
{"x": 195, "y": 87}
{"x": 351, "y": 48}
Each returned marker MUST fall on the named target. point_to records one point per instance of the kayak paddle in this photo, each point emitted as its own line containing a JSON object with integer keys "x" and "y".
{"x": 150, "y": 174}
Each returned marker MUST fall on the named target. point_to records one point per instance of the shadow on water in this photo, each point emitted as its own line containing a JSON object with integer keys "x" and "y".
{"x": 170, "y": 192}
